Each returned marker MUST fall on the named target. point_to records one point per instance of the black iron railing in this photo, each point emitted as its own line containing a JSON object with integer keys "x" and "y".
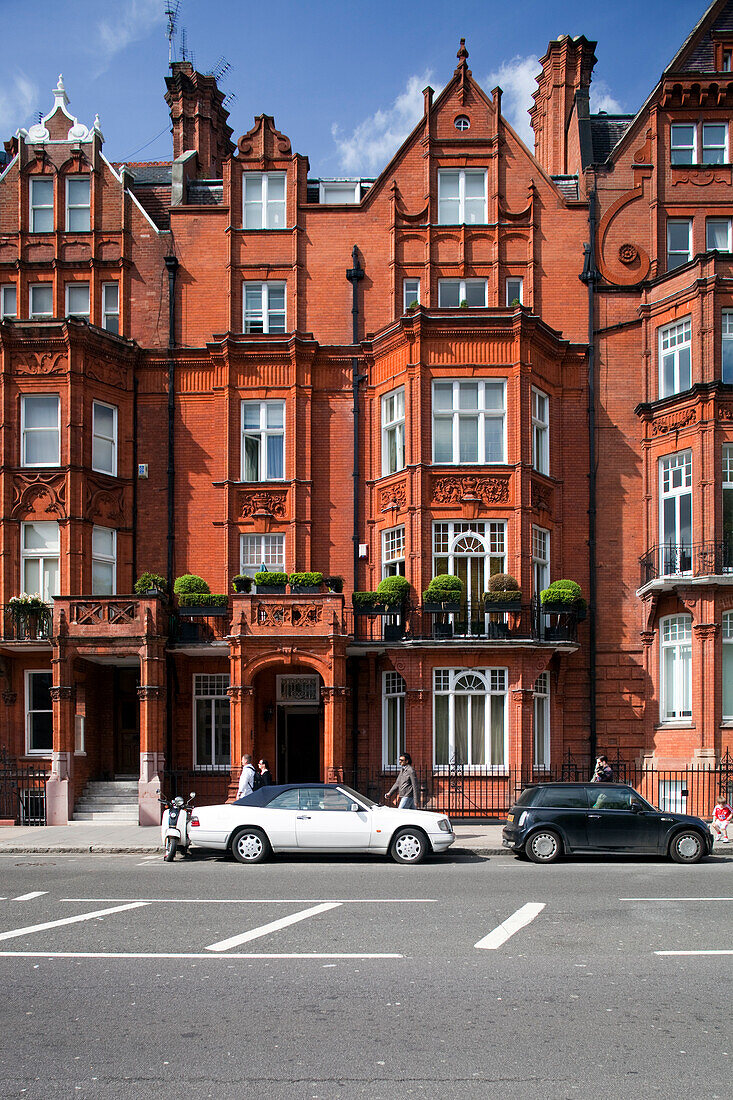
{"x": 471, "y": 622}
{"x": 701, "y": 559}
{"x": 22, "y": 791}
{"x": 26, "y": 625}
{"x": 211, "y": 785}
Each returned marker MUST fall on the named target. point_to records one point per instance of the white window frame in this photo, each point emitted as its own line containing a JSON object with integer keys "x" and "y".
{"x": 727, "y": 502}
{"x": 540, "y": 431}
{"x": 514, "y": 289}
{"x": 452, "y": 682}
{"x": 410, "y": 293}
{"x": 675, "y": 669}
{"x": 25, "y": 399}
{"x": 29, "y": 748}
{"x": 33, "y": 290}
{"x": 394, "y": 698}
{"x": 259, "y": 548}
{"x": 540, "y": 559}
{"x": 463, "y": 174}
{"x": 266, "y": 319}
{"x": 264, "y": 202}
{"x": 726, "y": 349}
{"x": 68, "y": 291}
{"x": 463, "y": 285}
{"x": 675, "y": 484}
{"x": 8, "y": 295}
{"x": 349, "y": 189}
{"x": 98, "y": 435}
{"x": 393, "y": 552}
{"x": 719, "y": 150}
{"x": 48, "y": 556}
{"x": 481, "y": 413}
{"x": 99, "y": 557}
{"x": 727, "y": 666}
{"x": 211, "y": 687}
{"x": 263, "y": 433}
{"x": 37, "y": 208}
{"x": 541, "y": 722}
{"x": 111, "y": 311}
{"x": 682, "y": 152}
{"x": 454, "y": 540}
{"x": 709, "y": 223}
{"x": 79, "y": 206}
{"x": 675, "y": 355}
{"x": 675, "y": 256}
{"x": 393, "y": 431}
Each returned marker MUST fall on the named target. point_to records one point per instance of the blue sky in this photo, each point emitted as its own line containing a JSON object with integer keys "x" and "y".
{"x": 343, "y": 80}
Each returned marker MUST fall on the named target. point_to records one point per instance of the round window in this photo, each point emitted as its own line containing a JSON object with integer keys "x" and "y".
{"x": 463, "y": 122}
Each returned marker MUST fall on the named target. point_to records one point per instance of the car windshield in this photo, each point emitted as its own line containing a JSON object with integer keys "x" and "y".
{"x": 359, "y": 797}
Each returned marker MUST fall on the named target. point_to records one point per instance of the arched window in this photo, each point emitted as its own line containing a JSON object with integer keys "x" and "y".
{"x": 470, "y": 717}
{"x": 462, "y": 122}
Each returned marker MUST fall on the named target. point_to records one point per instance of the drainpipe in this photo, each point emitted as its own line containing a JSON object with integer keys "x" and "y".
{"x": 171, "y": 264}
{"x": 134, "y": 473}
{"x": 355, "y": 274}
{"x": 590, "y": 277}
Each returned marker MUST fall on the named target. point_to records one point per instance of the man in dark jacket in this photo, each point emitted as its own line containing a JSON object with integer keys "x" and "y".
{"x": 405, "y": 784}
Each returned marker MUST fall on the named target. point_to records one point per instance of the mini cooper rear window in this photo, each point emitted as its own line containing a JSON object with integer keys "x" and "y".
{"x": 573, "y": 798}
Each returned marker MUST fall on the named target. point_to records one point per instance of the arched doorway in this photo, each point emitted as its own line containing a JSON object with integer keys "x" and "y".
{"x": 290, "y": 733}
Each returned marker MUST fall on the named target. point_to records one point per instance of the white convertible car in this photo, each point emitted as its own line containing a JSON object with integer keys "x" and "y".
{"x": 317, "y": 817}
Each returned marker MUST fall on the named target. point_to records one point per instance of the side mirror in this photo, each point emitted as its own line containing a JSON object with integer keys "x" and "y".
{"x": 636, "y": 807}
{"x": 355, "y": 806}
{"x": 192, "y": 794}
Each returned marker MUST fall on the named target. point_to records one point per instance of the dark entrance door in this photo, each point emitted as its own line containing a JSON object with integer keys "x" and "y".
{"x": 127, "y": 723}
{"x": 300, "y": 747}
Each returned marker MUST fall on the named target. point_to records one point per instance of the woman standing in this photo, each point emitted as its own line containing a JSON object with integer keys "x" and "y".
{"x": 265, "y": 777}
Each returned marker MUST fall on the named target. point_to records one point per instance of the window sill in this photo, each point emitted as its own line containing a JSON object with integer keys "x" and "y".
{"x": 499, "y": 770}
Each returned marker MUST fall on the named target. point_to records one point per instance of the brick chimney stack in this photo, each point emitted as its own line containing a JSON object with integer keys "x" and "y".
{"x": 198, "y": 119}
{"x": 567, "y": 67}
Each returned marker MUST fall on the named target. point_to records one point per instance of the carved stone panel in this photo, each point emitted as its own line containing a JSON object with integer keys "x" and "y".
{"x": 262, "y": 502}
{"x": 459, "y": 490}
{"x": 37, "y": 362}
{"x": 33, "y": 493}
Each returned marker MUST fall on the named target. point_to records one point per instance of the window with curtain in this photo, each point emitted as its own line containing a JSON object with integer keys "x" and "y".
{"x": 393, "y": 431}
{"x": 263, "y": 440}
{"x": 258, "y": 551}
{"x": 40, "y": 429}
{"x": 211, "y": 731}
{"x": 470, "y": 717}
{"x": 393, "y": 718}
{"x": 676, "y": 668}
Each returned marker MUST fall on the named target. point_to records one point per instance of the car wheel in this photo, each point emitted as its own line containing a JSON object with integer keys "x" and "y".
{"x": 171, "y": 844}
{"x": 250, "y": 845}
{"x": 687, "y": 847}
{"x": 408, "y": 846}
{"x": 544, "y": 846}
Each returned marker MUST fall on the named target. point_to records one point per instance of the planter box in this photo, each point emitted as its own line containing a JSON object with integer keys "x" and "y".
{"x": 270, "y": 589}
{"x": 502, "y": 605}
{"x": 555, "y": 608}
{"x": 377, "y": 609}
{"x": 442, "y": 630}
{"x": 438, "y": 608}
{"x": 198, "y": 611}
{"x": 306, "y": 589}
{"x": 393, "y": 632}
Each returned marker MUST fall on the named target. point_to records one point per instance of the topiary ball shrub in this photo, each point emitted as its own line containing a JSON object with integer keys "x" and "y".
{"x": 190, "y": 582}
{"x": 444, "y": 588}
{"x": 503, "y": 582}
{"x": 394, "y": 590}
{"x": 148, "y": 581}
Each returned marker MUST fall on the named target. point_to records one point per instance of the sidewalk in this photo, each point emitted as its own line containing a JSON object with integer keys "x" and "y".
{"x": 79, "y": 837}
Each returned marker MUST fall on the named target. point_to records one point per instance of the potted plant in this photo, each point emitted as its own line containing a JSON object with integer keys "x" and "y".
{"x": 203, "y": 603}
{"x": 394, "y": 588}
{"x": 504, "y": 594}
{"x": 334, "y": 584}
{"x": 270, "y": 582}
{"x": 413, "y": 304}
{"x": 242, "y": 583}
{"x": 31, "y": 616}
{"x": 444, "y": 593}
{"x": 306, "y": 582}
{"x": 381, "y": 602}
{"x": 150, "y": 584}
{"x": 563, "y": 597}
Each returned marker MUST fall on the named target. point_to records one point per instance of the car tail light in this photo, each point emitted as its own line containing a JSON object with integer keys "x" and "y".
{"x": 194, "y": 820}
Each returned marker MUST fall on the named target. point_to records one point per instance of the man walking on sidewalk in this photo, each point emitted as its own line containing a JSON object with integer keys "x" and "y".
{"x": 405, "y": 784}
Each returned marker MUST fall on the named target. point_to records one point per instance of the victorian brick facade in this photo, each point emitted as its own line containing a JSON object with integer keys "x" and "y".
{"x": 483, "y": 361}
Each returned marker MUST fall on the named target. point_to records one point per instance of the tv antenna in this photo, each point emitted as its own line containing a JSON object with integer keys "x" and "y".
{"x": 221, "y": 68}
{"x": 186, "y": 54}
{"x": 228, "y": 99}
{"x": 172, "y": 9}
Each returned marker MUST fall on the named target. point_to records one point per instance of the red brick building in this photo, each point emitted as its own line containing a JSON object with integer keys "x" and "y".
{"x": 484, "y": 361}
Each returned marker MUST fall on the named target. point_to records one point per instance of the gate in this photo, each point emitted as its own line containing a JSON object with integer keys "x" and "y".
{"x": 22, "y": 791}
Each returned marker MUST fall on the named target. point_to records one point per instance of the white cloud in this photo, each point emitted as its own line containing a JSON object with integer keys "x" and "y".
{"x": 17, "y": 99}
{"x": 602, "y": 100}
{"x": 517, "y": 79}
{"x": 133, "y": 20}
{"x": 370, "y": 146}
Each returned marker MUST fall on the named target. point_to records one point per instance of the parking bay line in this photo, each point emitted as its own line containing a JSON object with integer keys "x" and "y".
{"x": 523, "y": 916}
{"x": 31, "y": 895}
{"x": 273, "y": 926}
{"x": 675, "y": 899}
{"x": 259, "y": 901}
{"x": 68, "y": 920}
{"x": 199, "y": 955}
{"x": 693, "y": 952}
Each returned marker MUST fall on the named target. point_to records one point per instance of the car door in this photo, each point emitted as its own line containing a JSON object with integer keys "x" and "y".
{"x": 613, "y": 825}
{"x": 278, "y": 819}
{"x": 326, "y": 822}
{"x": 565, "y": 806}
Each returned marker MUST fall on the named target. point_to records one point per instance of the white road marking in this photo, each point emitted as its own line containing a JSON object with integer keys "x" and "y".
{"x": 693, "y": 952}
{"x": 273, "y": 926}
{"x": 33, "y": 894}
{"x": 507, "y": 928}
{"x": 196, "y": 955}
{"x": 675, "y": 899}
{"x": 259, "y": 901}
{"x": 68, "y": 920}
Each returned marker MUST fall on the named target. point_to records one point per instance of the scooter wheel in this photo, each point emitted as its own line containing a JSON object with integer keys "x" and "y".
{"x": 170, "y": 849}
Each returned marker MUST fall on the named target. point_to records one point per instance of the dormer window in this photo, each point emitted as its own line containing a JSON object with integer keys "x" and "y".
{"x": 333, "y": 192}
{"x": 264, "y": 200}
{"x": 463, "y": 122}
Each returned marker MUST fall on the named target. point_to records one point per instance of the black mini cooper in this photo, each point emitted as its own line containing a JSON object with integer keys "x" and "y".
{"x": 549, "y": 820}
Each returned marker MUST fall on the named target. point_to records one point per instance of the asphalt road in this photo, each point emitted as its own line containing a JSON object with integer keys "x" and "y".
{"x": 465, "y": 977}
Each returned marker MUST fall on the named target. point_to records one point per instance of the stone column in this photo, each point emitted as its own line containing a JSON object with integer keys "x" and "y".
{"x": 334, "y": 733}
{"x": 704, "y": 693}
{"x": 241, "y": 728}
{"x": 60, "y": 783}
{"x": 151, "y": 694}
{"x": 521, "y": 755}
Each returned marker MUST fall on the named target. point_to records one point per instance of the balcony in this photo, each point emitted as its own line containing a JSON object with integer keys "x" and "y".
{"x": 665, "y": 566}
{"x": 27, "y": 629}
{"x": 466, "y": 626}
{"x": 114, "y": 618}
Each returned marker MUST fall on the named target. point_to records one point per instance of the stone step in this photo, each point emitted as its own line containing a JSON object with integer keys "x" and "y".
{"x": 109, "y": 785}
{"x": 106, "y": 817}
{"x": 90, "y": 805}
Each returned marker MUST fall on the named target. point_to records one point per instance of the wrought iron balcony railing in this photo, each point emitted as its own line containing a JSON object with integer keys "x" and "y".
{"x": 26, "y": 625}
{"x": 470, "y": 623}
{"x": 702, "y": 559}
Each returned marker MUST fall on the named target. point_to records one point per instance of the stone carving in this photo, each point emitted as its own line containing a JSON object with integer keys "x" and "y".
{"x": 541, "y": 497}
{"x": 46, "y": 362}
{"x": 725, "y": 412}
{"x": 393, "y": 497}
{"x": 105, "y": 370}
{"x": 673, "y": 422}
{"x": 628, "y": 253}
{"x": 106, "y": 504}
{"x": 700, "y": 178}
{"x": 262, "y": 503}
{"x": 263, "y": 140}
{"x": 30, "y": 491}
{"x": 300, "y": 616}
{"x": 94, "y": 612}
{"x": 458, "y": 490}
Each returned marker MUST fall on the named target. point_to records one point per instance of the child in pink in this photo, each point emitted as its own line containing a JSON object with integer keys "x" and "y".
{"x": 721, "y": 817}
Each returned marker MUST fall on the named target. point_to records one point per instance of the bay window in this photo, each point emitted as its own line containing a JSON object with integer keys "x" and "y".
{"x": 540, "y": 431}
{"x": 469, "y": 421}
{"x": 453, "y": 292}
{"x": 260, "y": 551}
{"x": 263, "y": 440}
{"x": 393, "y": 432}
{"x": 675, "y": 513}
{"x": 726, "y": 366}
{"x": 676, "y": 668}
{"x": 728, "y": 508}
{"x": 470, "y": 717}
{"x": 675, "y": 357}
{"x": 104, "y": 561}
{"x": 40, "y": 429}
{"x": 39, "y": 559}
{"x": 540, "y": 559}
{"x": 393, "y": 552}
{"x": 104, "y": 438}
